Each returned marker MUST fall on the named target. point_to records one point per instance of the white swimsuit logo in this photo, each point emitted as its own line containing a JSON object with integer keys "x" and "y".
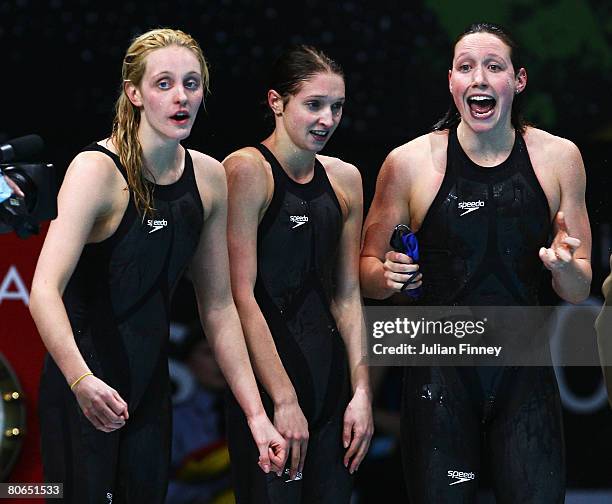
{"x": 298, "y": 220}
{"x": 470, "y": 206}
{"x": 156, "y": 225}
{"x": 461, "y": 477}
{"x": 109, "y": 496}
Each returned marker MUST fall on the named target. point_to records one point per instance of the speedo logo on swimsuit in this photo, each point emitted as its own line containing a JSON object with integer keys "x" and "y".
{"x": 469, "y": 206}
{"x": 298, "y": 220}
{"x": 460, "y": 476}
{"x": 156, "y": 225}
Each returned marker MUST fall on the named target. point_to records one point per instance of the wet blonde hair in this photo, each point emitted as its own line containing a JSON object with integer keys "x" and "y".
{"x": 127, "y": 116}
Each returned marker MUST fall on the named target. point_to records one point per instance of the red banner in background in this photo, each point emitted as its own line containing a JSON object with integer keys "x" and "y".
{"x": 20, "y": 343}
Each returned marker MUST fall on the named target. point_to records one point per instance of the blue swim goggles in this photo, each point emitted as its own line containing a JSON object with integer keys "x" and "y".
{"x": 405, "y": 241}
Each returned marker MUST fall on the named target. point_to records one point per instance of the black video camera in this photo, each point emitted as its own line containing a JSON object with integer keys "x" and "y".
{"x": 36, "y": 180}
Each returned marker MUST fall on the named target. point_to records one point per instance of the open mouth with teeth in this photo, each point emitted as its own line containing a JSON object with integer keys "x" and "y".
{"x": 320, "y": 134}
{"x": 481, "y": 105}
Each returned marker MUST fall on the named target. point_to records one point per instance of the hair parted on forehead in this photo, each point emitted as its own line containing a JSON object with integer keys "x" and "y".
{"x": 452, "y": 117}
{"x": 134, "y": 62}
{"x": 127, "y": 116}
{"x": 500, "y": 32}
{"x": 297, "y": 65}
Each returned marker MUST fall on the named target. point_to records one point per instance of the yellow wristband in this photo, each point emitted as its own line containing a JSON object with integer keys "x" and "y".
{"x": 89, "y": 373}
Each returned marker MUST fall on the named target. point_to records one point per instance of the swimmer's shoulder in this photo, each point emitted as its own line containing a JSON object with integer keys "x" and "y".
{"x": 206, "y": 165}
{"x": 93, "y": 178}
{"x": 412, "y": 159}
{"x": 247, "y": 169}
{"x": 346, "y": 182}
{"x": 209, "y": 174}
{"x": 96, "y": 168}
{"x": 548, "y": 150}
{"x": 247, "y": 162}
{"x": 345, "y": 173}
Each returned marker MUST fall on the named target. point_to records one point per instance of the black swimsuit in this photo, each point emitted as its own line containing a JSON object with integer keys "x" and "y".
{"x": 297, "y": 244}
{"x": 479, "y": 246}
{"x": 117, "y": 301}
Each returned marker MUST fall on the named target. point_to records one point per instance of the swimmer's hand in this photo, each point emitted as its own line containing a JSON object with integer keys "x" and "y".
{"x": 400, "y": 272}
{"x": 101, "y": 404}
{"x": 271, "y": 445}
{"x": 358, "y": 429}
{"x": 561, "y": 251}
{"x": 293, "y": 426}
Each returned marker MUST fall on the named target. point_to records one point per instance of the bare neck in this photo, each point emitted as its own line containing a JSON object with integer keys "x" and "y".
{"x": 163, "y": 159}
{"x": 488, "y": 148}
{"x": 297, "y": 163}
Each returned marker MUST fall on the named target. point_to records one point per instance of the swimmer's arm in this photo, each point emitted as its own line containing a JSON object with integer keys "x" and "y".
{"x": 380, "y": 268}
{"x": 346, "y": 307}
{"x": 571, "y": 274}
{"x": 80, "y": 203}
{"x": 249, "y": 193}
{"x": 211, "y": 279}
{"x": 87, "y": 194}
{"x": 210, "y": 275}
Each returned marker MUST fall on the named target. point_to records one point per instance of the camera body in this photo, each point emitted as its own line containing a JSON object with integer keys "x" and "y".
{"x": 39, "y": 184}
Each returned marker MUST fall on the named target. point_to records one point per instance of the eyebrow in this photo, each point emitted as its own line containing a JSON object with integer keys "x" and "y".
{"x": 487, "y": 56}
{"x": 324, "y": 97}
{"x": 165, "y": 73}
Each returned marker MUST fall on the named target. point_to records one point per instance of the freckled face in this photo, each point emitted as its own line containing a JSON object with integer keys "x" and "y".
{"x": 170, "y": 93}
{"x": 311, "y": 116}
{"x": 483, "y": 81}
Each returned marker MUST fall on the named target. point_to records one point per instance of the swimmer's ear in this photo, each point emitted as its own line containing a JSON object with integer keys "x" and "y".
{"x": 132, "y": 92}
{"x": 520, "y": 80}
{"x": 275, "y": 102}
